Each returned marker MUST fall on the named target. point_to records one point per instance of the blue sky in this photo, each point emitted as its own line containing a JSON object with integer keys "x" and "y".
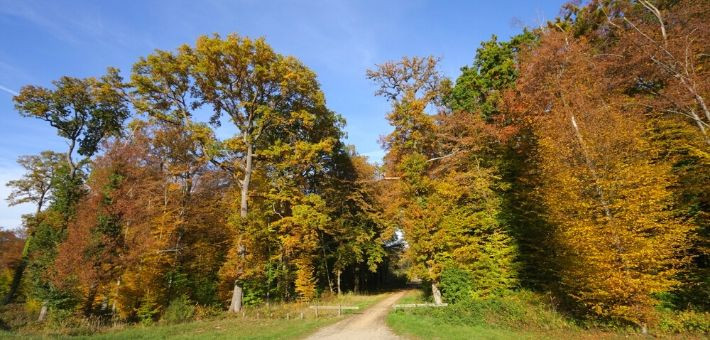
{"x": 339, "y": 40}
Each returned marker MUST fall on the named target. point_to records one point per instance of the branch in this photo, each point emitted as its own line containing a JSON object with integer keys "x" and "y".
{"x": 442, "y": 157}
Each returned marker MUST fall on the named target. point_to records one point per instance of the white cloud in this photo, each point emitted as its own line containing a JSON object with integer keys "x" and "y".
{"x": 8, "y": 90}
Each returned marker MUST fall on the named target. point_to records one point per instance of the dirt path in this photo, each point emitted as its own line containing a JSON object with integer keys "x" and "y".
{"x": 368, "y": 325}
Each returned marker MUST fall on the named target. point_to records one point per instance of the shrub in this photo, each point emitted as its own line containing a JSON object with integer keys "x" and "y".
{"x": 685, "y": 321}
{"x": 180, "y": 310}
{"x": 513, "y": 311}
{"x": 204, "y": 312}
{"x": 456, "y": 285}
{"x": 148, "y": 310}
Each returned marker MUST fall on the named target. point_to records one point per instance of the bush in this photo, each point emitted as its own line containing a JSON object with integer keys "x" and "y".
{"x": 148, "y": 310}
{"x": 456, "y": 285}
{"x": 519, "y": 310}
{"x": 180, "y": 310}
{"x": 205, "y": 312}
{"x": 685, "y": 321}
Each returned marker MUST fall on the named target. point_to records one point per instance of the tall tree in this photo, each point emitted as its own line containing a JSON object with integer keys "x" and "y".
{"x": 84, "y": 112}
{"x": 606, "y": 192}
{"x": 35, "y": 186}
{"x": 262, "y": 93}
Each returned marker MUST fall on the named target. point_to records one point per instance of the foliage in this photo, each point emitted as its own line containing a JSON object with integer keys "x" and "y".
{"x": 571, "y": 160}
{"x": 687, "y": 321}
{"x": 179, "y": 310}
{"x": 148, "y": 310}
{"x": 480, "y": 87}
{"x": 456, "y": 285}
{"x": 447, "y": 203}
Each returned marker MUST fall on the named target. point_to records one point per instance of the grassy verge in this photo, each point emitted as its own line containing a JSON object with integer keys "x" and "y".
{"x": 520, "y": 316}
{"x": 228, "y": 328}
{"x": 275, "y": 321}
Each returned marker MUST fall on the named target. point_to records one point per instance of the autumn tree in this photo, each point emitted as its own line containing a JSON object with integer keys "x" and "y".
{"x": 480, "y": 87}
{"x": 36, "y": 187}
{"x": 607, "y": 195}
{"x": 11, "y": 260}
{"x": 447, "y": 203}
{"x": 267, "y": 96}
{"x": 83, "y": 111}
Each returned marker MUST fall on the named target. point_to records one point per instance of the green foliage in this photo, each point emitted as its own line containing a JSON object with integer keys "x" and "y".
{"x": 180, "y": 309}
{"x": 84, "y": 111}
{"x": 456, "y": 285}
{"x": 148, "y": 310}
{"x": 521, "y": 310}
{"x": 479, "y": 88}
{"x": 685, "y": 321}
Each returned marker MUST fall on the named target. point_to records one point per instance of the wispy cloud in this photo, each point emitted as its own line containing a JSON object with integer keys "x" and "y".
{"x": 8, "y": 90}
{"x": 72, "y": 26}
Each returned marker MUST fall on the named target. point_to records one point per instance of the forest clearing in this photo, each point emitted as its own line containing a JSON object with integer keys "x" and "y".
{"x": 557, "y": 187}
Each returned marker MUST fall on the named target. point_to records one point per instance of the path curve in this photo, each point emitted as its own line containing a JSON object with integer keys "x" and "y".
{"x": 368, "y": 325}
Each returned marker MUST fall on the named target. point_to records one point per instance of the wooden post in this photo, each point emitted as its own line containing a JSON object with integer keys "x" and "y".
{"x": 288, "y": 316}
{"x": 316, "y": 311}
{"x": 301, "y": 315}
{"x": 340, "y": 309}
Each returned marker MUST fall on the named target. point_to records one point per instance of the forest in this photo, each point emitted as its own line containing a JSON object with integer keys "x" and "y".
{"x": 571, "y": 162}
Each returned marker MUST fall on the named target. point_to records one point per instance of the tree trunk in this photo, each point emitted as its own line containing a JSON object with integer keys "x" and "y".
{"x": 436, "y": 293}
{"x": 337, "y": 275}
{"x": 89, "y": 305}
{"x": 236, "y": 304}
{"x": 591, "y": 166}
{"x": 244, "y": 208}
{"x": 356, "y": 280}
{"x": 43, "y": 312}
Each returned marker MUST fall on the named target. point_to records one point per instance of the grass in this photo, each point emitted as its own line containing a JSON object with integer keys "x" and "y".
{"x": 228, "y": 328}
{"x": 522, "y": 315}
{"x": 276, "y": 321}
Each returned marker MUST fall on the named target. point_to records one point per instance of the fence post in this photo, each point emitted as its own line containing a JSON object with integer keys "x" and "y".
{"x": 316, "y": 311}
{"x": 340, "y": 309}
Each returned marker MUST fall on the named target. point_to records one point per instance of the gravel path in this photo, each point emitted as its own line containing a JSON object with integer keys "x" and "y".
{"x": 368, "y": 325}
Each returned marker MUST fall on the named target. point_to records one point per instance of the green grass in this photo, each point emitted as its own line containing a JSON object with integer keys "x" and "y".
{"x": 258, "y": 322}
{"x": 422, "y": 327}
{"x": 522, "y": 315}
{"x": 413, "y": 296}
{"x": 229, "y": 328}
{"x": 221, "y": 329}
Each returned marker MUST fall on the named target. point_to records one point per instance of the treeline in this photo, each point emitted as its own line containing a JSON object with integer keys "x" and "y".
{"x": 147, "y": 205}
{"x": 572, "y": 159}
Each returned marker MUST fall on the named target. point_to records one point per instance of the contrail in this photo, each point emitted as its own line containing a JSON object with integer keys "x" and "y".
{"x": 14, "y": 93}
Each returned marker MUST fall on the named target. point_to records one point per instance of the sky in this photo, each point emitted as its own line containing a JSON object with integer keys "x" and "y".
{"x": 41, "y": 41}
